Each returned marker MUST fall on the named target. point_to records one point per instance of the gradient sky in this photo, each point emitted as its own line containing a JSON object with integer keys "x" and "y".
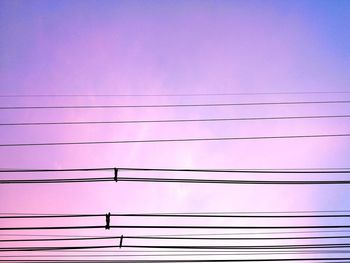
{"x": 174, "y": 47}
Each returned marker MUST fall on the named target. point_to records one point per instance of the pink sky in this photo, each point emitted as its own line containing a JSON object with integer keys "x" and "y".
{"x": 135, "y": 47}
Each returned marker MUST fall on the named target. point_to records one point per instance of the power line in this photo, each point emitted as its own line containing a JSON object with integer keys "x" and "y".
{"x": 153, "y": 169}
{"x": 58, "y": 181}
{"x": 173, "y": 227}
{"x": 173, "y": 120}
{"x": 177, "y": 140}
{"x": 174, "y": 95}
{"x": 181, "y": 215}
{"x": 327, "y": 260}
{"x": 219, "y": 181}
{"x": 171, "y": 238}
{"x": 174, "y": 105}
{"x": 200, "y": 247}
{"x": 176, "y": 254}
{"x": 180, "y": 254}
{"x": 193, "y": 235}
{"x": 174, "y": 180}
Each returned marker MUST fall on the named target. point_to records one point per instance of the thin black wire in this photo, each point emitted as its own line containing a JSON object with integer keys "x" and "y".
{"x": 177, "y": 254}
{"x": 232, "y": 213}
{"x": 58, "y": 181}
{"x": 183, "y": 253}
{"x": 219, "y": 181}
{"x": 178, "y": 140}
{"x": 51, "y": 227}
{"x": 187, "y": 251}
{"x": 201, "y": 234}
{"x": 120, "y": 169}
{"x": 174, "y": 95}
{"x": 175, "y": 180}
{"x": 327, "y": 260}
{"x": 182, "y": 215}
{"x": 264, "y": 247}
{"x": 176, "y": 227}
{"x": 174, "y": 105}
{"x": 172, "y": 238}
{"x": 174, "y": 120}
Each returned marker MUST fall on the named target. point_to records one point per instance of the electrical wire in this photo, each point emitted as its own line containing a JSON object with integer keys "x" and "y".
{"x": 233, "y": 170}
{"x": 305, "y": 136}
{"x": 326, "y": 260}
{"x": 175, "y": 95}
{"x": 175, "y": 180}
{"x": 264, "y": 247}
{"x": 172, "y": 238}
{"x": 175, "y": 105}
{"x": 181, "y": 215}
{"x": 173, "y": 120}
{"x": 175, "y": 227}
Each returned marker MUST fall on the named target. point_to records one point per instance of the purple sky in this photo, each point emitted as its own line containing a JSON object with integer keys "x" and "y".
{"x": 174, "y": 47}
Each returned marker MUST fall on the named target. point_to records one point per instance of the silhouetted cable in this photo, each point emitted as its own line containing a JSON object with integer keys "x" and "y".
{"x": 174, "y": 180}
{"x": 176, "y": 227}
{"x": 57, "y": 181}
{"x": 181, "y": 254}
{"x": 51, "y": 227}
{"x": 253, "y": 233}
{"x": 208, "y": 252}
{"x": 172, "y": 238}
{"x": 174, "y": 120}
{"x": 213, "y": 181}
{"x": 235, "y": 238}
{"x": 201, "y": 247}
{"x": 121, "y": 169}
{"x": 175, "y": 105}
{"x": 181, "y": 215}
{"x": 173, "y": 95}
{"x": 177, "y": 140}
{"x": 192, "y": 234}
{"x": 327, "y": 260}
{"x": 204, "y": 253}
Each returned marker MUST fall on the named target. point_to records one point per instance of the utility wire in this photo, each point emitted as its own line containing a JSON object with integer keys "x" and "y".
{"x": 189, "y": 251}
{"x": 171, "y": 238}
{"x": 193, "y": 235}
{"x": 234, "y": 170}
{"x": 178, "y": 140}
{"x": 173, "y": 120}
{"x": 201, "y": 247}
{"x": 175, "y": 180}
{"x": 211, "y": 254}
{"x": 181, "y": 215}
{"x": 219, "y": 181}
{"x": 326, "y": 260}
{"x": 274, "y": 247}
{"x": 174, "y": 227}
{"x": 58, "y": 181}
{"x": 181, "y": 254}
{"x": 175, "y": 105}
{"x": 174, "y": 95}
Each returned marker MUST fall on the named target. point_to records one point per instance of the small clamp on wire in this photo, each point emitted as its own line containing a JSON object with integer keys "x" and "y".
{"x": 121, "y": 241}
{"x": 108, "y": 221}
{"x": 116, "y": 174}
